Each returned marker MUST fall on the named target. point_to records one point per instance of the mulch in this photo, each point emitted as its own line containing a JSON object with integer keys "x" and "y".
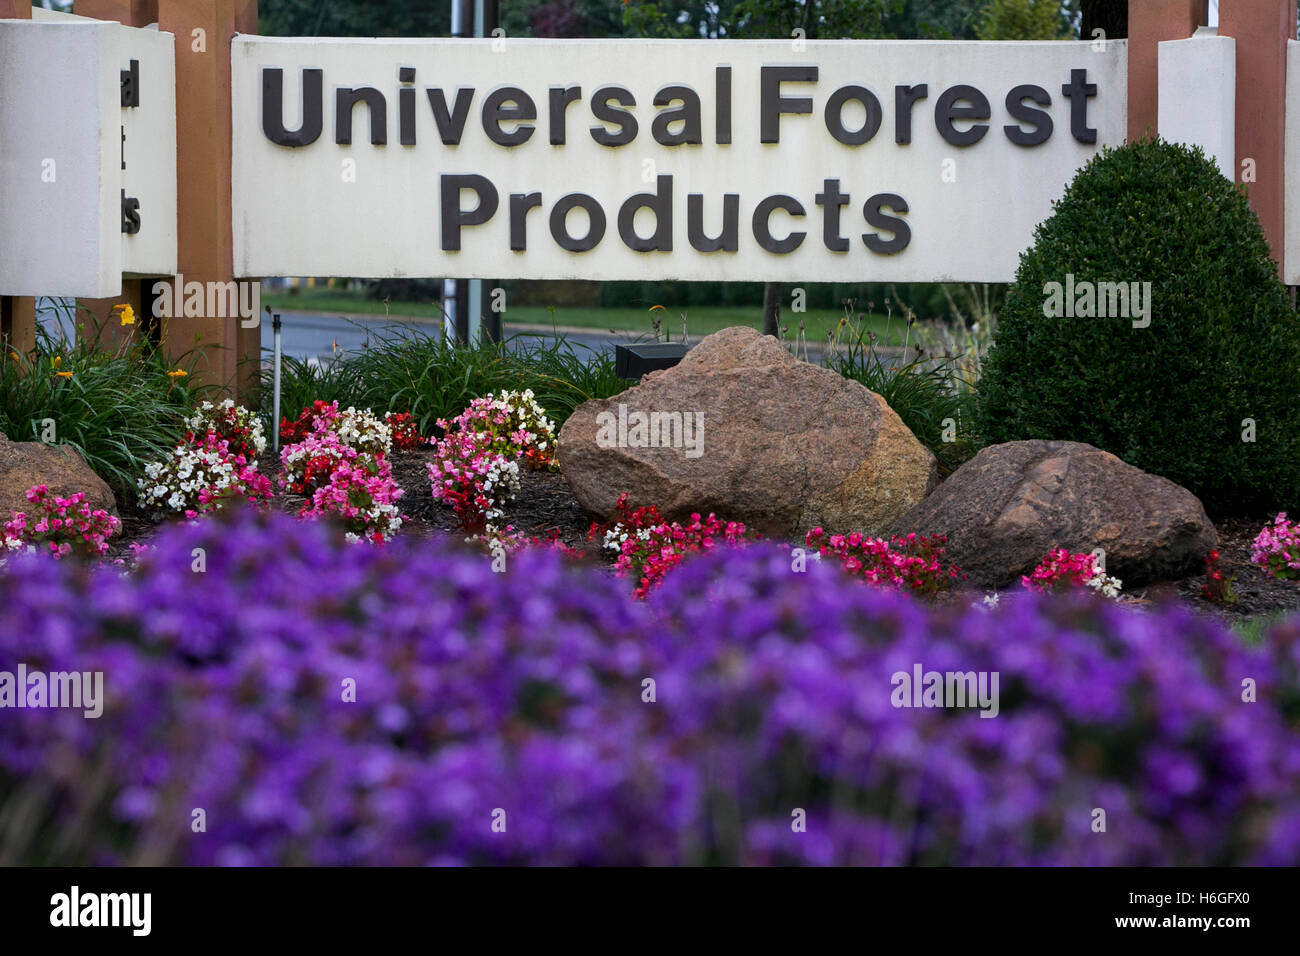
{"x": 1258, "y": 593}
{"x": 545, "y": 503}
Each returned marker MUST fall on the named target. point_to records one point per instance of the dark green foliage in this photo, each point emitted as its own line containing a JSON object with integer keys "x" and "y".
{"x": 926, "y": 393}
{"x": 354, "y": 18}
{"x": 1223, "y": 343}
{"x": 411, "y": 371}
{"x": 303, "y": 381}
{"x": 405, "y": 290}
{"x": 117, "y": 406}
{"x": 1025, "y": 20}
{"x": 924, "y": 300}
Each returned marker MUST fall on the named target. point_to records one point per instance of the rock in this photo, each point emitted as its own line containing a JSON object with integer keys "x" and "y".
{"x": 787, "y": 446}
{"x": 61, "y": 467}
{"x": 1012, "y": 503}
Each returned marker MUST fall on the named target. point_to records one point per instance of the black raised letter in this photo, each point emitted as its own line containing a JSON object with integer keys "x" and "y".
{"x": 729, "y": 240}
{"x": 901, "y": 230}
{"x": 273, "y": 108}
{"x": 763, "y": 233}
{"x": 406, "y": 106}
{"x": 560, "y": 97}
{"x": 688, "y": 114}
{"x": 519, "y": 206}
{"x": 831, "y": 200}
{"x": 1027, "y": 114}
{"x": 453, "y": 217}
{"x": 130, "y": 214}
{"x": 947, "y": 110}
{"x": 560, "y": 226}
{"x": 773, "y": 104}
{"x": 904, "y": 97}
{"x": 600, "y": 108}
{"x": 1079, "y": 91}
{"x": 451, "y": 123}
{"x": 345, "y": 99}
{"x": 835, "y": 121}
{"x": 660, "y": 202}
{"x": 131, "y": 84}
{"x": 722, "y": 106}
{"x": 495, "y": 111}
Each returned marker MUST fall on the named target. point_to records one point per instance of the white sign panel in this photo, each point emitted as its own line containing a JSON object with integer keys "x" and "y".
{"x": 1291, "y": 248}
{"x": 87, "y": 183}
{"x": 148, "y": 153}
{"x": 1197, "y": 96}
{"x": 58, "y": 197}
{"x": 616, "y": 159}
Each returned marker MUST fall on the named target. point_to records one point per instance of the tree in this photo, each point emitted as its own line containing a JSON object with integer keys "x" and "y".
{"x": 351, "y": 18}
{"x": 1109, "y": 16}
{"x": 1024, "y": 20}
{"x": 830, "y": 19}
{"x": 935, "y": 19}
{"x": 563, "y": 18}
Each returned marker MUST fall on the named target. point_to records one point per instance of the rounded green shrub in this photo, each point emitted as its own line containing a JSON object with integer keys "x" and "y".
{"x": 1208, "y": 393}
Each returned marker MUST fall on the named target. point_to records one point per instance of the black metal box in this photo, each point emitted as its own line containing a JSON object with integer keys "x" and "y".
{"x": 633, "y": 361}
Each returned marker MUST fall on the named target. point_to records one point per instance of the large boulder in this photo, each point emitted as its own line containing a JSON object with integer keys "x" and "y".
{"x": 786, "y": 446}
{"x": 27, "y": 463}
{"x": 1012, "y": 503}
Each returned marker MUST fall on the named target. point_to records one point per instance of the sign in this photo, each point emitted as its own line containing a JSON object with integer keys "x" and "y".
{"x": 844, "y": 161}
{"x": 147, "y": 152}
{"x": 1291, "y": 148}
{"x": 87, "y": 156}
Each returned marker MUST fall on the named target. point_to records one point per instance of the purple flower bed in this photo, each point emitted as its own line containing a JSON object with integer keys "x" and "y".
{"x": 521, "y": 692}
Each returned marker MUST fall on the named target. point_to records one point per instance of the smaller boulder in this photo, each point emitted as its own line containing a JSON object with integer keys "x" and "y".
{"x": 1012, "y": 503}
{"x": 24, "y": 464}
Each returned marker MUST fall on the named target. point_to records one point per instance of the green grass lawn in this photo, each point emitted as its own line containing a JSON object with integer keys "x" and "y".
{"x": 701, "y": 320}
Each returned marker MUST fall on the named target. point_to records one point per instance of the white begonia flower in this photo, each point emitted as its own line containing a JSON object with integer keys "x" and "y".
{"x": 1108, "y": 586}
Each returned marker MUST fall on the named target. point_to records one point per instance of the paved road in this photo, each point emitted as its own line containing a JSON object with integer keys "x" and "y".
{"x": 306, "y": 335}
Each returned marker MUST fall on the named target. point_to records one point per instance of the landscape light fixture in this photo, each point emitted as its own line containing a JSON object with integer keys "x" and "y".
{"x": 275, "y": 374}
{"x": 633, "y": 361}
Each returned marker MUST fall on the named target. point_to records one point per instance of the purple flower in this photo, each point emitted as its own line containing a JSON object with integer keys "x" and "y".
{"x": 327, "y": 704}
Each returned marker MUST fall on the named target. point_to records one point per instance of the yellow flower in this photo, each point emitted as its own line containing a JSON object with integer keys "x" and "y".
{"x": 177, "y": 373}
{"x": 63, "y": 374}
{"x": 127, "y": 313}
{"x": 14, "y": 356}
{"x": 56, "y": 361}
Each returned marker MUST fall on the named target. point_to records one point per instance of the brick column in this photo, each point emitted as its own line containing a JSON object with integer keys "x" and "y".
{"x": 203, "y": 157}
{"x": 1261, "y": 29}
{"x": 17, "y": 312}
{"x": 1149, "y": 22}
